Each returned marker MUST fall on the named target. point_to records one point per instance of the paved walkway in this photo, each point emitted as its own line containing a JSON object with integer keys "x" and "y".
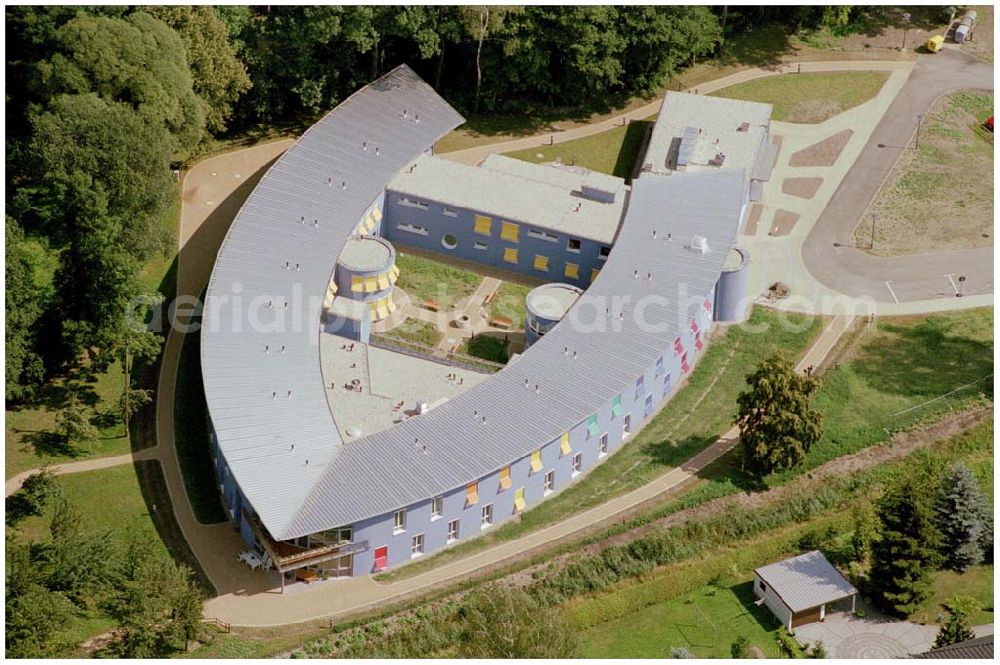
{"x": 873, "y": 636}
{"x": 478, "y": 153}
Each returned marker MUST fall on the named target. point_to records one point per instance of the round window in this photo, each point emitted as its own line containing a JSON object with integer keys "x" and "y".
{"x": 449, "y": 241}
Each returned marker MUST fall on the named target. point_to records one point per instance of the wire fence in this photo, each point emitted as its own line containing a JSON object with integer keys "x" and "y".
{"x": 980, "y": 390}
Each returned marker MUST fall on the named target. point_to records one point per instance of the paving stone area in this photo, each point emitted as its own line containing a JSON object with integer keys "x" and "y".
{"x": 823, "y": 153}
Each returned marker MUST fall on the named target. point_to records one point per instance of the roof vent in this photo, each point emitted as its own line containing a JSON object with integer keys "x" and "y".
{"x": 744, "y": 127}
{"x": 699, "y": 244}
{"x": 718, "y": 160}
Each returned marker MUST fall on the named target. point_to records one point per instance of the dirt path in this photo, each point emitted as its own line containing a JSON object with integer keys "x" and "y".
{"x": 14, "y": 483}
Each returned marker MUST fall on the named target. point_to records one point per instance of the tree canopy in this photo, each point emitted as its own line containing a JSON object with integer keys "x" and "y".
{"x": 777, "y": 425}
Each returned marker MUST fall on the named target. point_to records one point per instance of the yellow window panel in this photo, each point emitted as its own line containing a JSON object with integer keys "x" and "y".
{"x": 333, "y": 287}
{"x": 357, "y": 284}
{"x": 564, "y": 447}
{"x": 484, "y": 225}
{"x": 377, "y": 214}
{"x": 594, "y": 273}
{"x": 510, "y": 254}
{"x": 541, "y": 263}
{"x": 472, "y": 494}
{"x": 393, "y": 274}
{"x": 572, "y": 271}
{"x": 505, "y": 478}
{"x": 519, "y": 499}
{"x": 382, "y": 310}
{"x": 371, "y": 285}
{"x": 509, "y": 231}
{"x": 390, "y": 305}
{"x": 536, "y": 461}
{"x": 383, "y": 281}
{"x": 329, "y": 300}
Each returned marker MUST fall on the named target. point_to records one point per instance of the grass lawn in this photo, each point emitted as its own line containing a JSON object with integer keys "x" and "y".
{"x": 699, "y": 412}
{"x": 940, "y": 195}
{"x": 488, "y": 348}
{"x": 424, "y": 278}
{"x": 810, "y": 97}
{"x": 705, "y": 622}
{"x": 413, "y": 330}
{"x": 614, "y": 151}
{"x": 31, "y": 440}
{"x": 904, "y": 363}
{"x": 509, "y": 302}
{"x": 107, "y": 500}
{"x": 192, "y": 438}
{"x": 977, "y": 582}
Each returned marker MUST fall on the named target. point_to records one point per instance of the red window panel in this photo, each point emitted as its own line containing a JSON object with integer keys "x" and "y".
{"x": 678, "y": 347}
{"x": 684, "y": 364}
{"x": 707, "y": 306}
{"x": 694, "y": 326}
{"x": 698, "y": 343}
{"x": 381, "y": 558}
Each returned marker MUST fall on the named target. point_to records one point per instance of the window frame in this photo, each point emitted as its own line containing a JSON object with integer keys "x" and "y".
{"x": 399, "y": 517}
{"x": 549, "y": 482}
{"x": 416, "y": 545}
{"x": 456, "y": 523}
{"x": 577, "y": 464}
{"x": 602, "y": 445}
{"x": 486, "y": 517}
{"x": 569, "y": 245}
{"x": 437, "y": 508}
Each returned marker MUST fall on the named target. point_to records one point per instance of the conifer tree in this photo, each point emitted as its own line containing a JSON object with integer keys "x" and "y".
{"x": 958, "y": 515}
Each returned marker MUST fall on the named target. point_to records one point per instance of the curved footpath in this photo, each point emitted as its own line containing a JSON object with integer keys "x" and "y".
{"x": 828, "y": 251}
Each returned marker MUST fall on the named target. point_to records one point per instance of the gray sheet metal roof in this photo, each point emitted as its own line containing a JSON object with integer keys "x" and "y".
{"x": 268, "y": 408}
{"x": 386, "y": 470}
{"x": 806, "y": 581}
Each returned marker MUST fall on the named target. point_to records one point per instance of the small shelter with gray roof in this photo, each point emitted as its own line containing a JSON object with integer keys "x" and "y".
{"x": 799, "y": 590}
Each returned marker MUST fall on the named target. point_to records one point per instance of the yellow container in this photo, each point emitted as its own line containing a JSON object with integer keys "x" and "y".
{"x": 935, "y": 43}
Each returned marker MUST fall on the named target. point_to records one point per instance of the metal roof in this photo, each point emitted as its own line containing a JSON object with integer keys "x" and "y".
{"x": 267, "y": 406}
{"x": 573, "y": 178}
{"x": 806, "y": 581}
{"x": 515, "y": 198}
{"x": 499, "y": 420}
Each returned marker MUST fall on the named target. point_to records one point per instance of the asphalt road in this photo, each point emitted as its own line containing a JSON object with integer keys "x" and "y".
{"x": 828, "y": 251}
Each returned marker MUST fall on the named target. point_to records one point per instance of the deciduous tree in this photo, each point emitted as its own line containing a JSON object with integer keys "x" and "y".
{"x": 777, "y": 425}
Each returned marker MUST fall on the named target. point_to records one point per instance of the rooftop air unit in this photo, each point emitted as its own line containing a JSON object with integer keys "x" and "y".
{"x": 699, "y": 244}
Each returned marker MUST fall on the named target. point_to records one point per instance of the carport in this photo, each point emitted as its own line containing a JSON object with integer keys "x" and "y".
{"x": 798, "y": 590}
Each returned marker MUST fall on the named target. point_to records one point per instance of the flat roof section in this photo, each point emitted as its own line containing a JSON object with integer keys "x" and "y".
{"x": 514, "y": 198}
{"x": 388, "y": 386}
{"x": 703, "y": 127}
{"x": 552, "y": 301}
{"x": 573, "y": 178}
{"x": 365, "y": 254}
